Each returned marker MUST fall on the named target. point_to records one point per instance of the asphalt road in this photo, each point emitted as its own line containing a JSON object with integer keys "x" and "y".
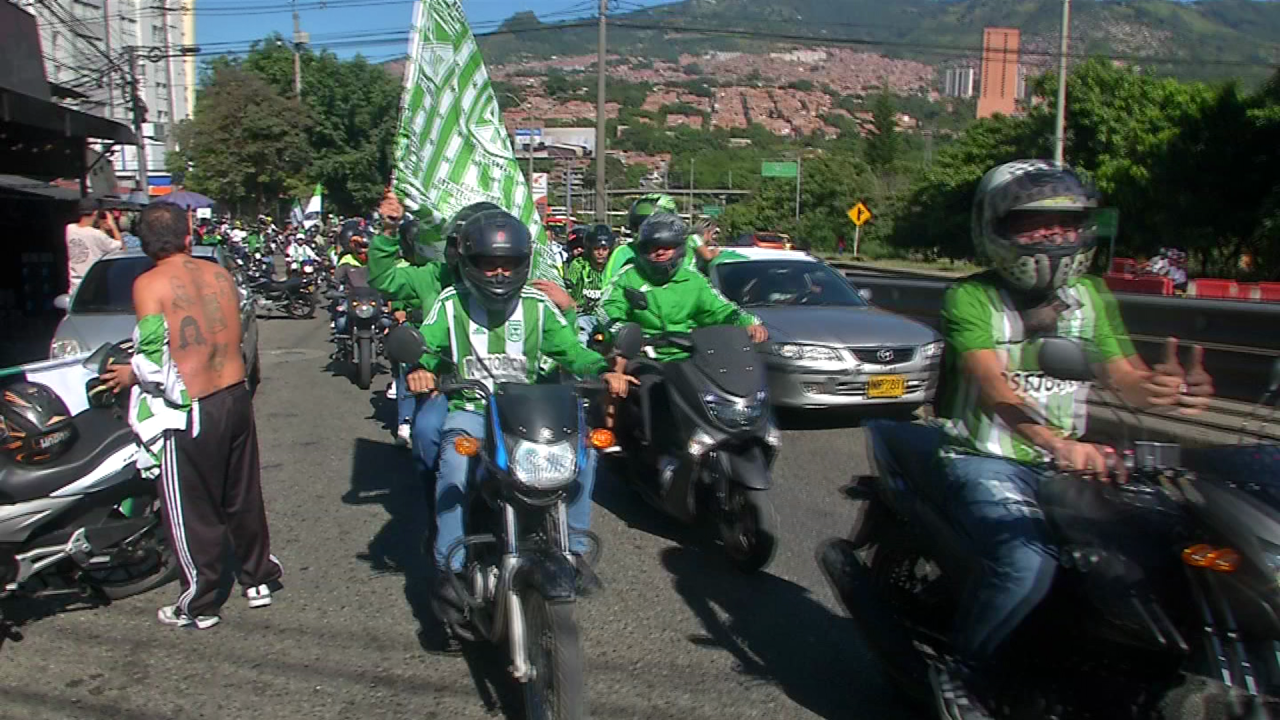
{"x": 675, "y": 634}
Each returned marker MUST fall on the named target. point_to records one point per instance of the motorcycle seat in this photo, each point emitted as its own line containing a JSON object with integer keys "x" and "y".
{"x": 101, "y": 434}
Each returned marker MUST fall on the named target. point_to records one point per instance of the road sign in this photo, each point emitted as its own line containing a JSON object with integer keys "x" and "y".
{"x": 778, "y": 169}
{"x": 859, "y": 214}
{"x": 712, "y": 210}
{"x": 1108, "y": 221}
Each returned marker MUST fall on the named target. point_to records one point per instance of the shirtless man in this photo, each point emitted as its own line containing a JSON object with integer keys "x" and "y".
{"x": 188, "y": 366}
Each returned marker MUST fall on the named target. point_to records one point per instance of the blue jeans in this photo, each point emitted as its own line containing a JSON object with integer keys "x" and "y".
{"x": 406, "y": 404}
{"x": 992, "y": 502}
{"x": 586, "y": 325}
{"x": 456, "y": 471}
{"x": 428, "y": 422}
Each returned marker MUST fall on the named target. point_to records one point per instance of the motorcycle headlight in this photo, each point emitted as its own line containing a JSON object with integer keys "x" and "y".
{"x": 544, "y": 467}
{"x": 1271, "y": 554}
{"x": 805, "y": 353}
{"x": 308, "y": 269}
{"x": 735, "y": 413}
{"x": 64, "y": 347}
{"x": 700, "y": 443}
{"x": 932, "y": 350}
{"x": 364, "y": 311}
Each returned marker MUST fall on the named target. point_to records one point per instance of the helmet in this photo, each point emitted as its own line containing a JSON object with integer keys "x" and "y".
{"x": 353, "y": 239}
{"x": 647, "y": 205}
{"x": 455, "y": 227}
{"x": 1025, "y": 186}
{"x": 577, "y": 238}
{"x": 490, "y": 234}
{"x": 662, "y": 230}
{"x": 599, "y": 236}
{"x": 35, "y": 425}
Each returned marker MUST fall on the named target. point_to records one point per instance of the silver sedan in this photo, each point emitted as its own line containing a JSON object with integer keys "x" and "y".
{"x": 828, "y": 346}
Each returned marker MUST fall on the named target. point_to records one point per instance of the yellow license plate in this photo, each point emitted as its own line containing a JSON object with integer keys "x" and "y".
{"x": 887, "y": 386}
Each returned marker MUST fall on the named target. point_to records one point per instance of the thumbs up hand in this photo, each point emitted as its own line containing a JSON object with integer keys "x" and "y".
{"x": 1170, "y": 385}
{"x": 1198, "y": 384}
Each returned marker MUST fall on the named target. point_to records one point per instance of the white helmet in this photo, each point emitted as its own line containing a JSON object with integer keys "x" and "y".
{"x": 1033, "y": 185}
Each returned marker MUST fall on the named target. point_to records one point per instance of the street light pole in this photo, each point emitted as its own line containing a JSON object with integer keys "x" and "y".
{"x": 691, "y": 162}
{"x": 1060, "y": 120}
{"x": 138, "y": 116}
{"x": 601, "y": 155}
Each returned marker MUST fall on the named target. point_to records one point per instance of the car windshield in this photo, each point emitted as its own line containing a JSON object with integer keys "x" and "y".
{"x": 785, "y": 282}
{"x": 108, "y": 286}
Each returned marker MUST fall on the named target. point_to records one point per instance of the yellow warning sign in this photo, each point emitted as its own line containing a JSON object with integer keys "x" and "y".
{"x": 859, "y": 214}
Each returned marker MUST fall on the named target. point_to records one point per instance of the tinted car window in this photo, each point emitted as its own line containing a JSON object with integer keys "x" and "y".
{"x": 785, "y": 282}
{"x": 108, "y": 286}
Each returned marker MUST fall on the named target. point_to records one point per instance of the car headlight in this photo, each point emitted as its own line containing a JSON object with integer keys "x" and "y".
{"x": 805, "y": 353}
{"x": 364, "y": 311}
{"x": 544, "y": 467}
{"x": 64, "y": 347}
{"x": 735, "y": 413}
{"x": 933, "y": 349}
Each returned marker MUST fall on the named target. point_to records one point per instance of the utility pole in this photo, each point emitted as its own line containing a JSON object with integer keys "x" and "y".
{"x": 691, "y": 162}
{"x": 1060, "y": 121}
{"x": 568, "y": 189}
{"x": 168, "y": 76}
{"x": 602, "y": 201}
{"x": 106, "y": 41}
{"x": 299, "y": 39}
{"x": 799, "y": 161}
{"x": 139, "y": 115}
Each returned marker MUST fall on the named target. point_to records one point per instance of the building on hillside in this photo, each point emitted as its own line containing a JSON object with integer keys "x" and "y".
{"x": 959, "y": 82}
{"x": 998, "y": 86}
{"x": 96, "y": 47}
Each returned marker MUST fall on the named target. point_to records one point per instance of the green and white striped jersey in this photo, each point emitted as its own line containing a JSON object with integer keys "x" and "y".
{"x": 510, "y": 350}
{"x": 979, "y": 314}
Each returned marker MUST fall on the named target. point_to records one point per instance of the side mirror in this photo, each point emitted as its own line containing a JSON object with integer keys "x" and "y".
{"x": 404, "y": 344}
{"x": 865, "y": 293}
{"x": 1065, "y": 359}
{"x": 629, "y": 340}
{"x": 62, "y": 302}
{"x": 636, "y": 299}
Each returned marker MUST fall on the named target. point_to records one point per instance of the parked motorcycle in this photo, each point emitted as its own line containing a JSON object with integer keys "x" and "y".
{"x": 1167, "y": 594}
{"x": 520, "y": 577}
{"x": 286, "y": 297}
{"x": 701, "y": 442}
{"x": 85, "y": 524}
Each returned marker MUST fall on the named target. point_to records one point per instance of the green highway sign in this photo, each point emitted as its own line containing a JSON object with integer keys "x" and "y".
{"x": 1108, "y": 220}
{"x": 778, "y": 169}
{"x": 712, "y": 210}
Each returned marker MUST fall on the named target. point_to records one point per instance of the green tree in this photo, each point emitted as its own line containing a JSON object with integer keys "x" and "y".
{"x": 884, "y": 145}
{"x": 244, "y": 144}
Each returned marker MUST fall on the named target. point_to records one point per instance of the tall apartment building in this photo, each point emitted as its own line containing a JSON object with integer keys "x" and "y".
{"x": 959, "y": 82}
{"x": 998, "y": 89}
{"x": 94, "y": 47}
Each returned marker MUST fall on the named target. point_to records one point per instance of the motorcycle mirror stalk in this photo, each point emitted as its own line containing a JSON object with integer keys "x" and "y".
{"x": 405, "y": 344}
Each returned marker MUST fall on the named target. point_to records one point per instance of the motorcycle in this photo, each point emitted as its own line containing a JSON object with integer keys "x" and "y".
{"x": 520, "y": 578}
{"x": 87, "y": 524}
{"x": 366, "y": 330}
{"x": 703, "y": 444}
{"x": 287, "y": 297}
{"x": 1167, "y": 594}
{"x": 313, "y": 281}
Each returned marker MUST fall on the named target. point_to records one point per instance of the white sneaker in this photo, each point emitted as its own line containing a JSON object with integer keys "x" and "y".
{"x": 259, "y": 596}
{"x": 391, "y": 391}
{"x": 169, "y": 615}
{"x": 403, "y": 435}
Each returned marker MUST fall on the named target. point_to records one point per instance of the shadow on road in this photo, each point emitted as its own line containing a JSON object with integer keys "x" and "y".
{"x": 837, "y": 418}
{"x": 778, "y": 633}
{"x": 383, "y": 474}
{"x": 613, "y": 494}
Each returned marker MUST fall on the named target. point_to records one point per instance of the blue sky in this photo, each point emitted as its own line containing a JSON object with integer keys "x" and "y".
{"x": 218, "y": 24}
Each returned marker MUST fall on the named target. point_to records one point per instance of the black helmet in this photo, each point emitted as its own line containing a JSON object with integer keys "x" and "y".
{"x": 662, "y": 230}
{"x": 490, "y": 234}
{"x": 354, "y": 228}
{"x": 455, "y": 227}
{"x": 35, "y": 425}
{"x": 647, "y": 205}
{"x": 601, "y": 236}
{"x": 577, "y": 238}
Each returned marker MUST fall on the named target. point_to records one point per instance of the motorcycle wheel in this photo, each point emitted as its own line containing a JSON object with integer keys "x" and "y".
{"x": 302, "y": 307}
{"x": 554, "y": 649}
{"x": 158, "y": 565}
{"x": 748, "y": 528}
{"x": 364, "y": 363}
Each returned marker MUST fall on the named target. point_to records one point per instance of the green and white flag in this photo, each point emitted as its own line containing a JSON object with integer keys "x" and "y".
{"x": 452, "y": 149}
{"x": 295, "y": 214}
{"x": 312, "y": 216}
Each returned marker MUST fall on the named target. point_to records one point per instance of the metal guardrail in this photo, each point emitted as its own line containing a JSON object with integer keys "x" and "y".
{"x": 1241, "y": 339}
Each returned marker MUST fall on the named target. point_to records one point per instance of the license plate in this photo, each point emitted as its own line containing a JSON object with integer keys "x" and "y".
{"x": 887, "y": 386}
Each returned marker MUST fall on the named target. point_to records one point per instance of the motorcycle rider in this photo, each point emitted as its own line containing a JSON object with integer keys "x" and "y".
{"x": 585, "y": 275}
{"x": 1002, "y": 420}
{"x": 517, "y": 326}
{"x": 696, "y": 250}
{"x": 351, "y": 268}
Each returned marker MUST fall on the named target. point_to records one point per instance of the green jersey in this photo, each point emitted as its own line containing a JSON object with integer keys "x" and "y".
{"x": 585, "y": 283}
{"x": 623, "y": 256}
{"x": 686, "y": 302}
{"x": 509, "y": 351}
{"x": 979, "y": 314}
{"x": 417, "y": 286}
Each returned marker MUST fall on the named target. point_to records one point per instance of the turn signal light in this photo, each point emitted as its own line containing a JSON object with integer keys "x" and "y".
{"x": 601, "y": 438}
{"x": 466, "y": 446}
{"x": 1207, "y": 556}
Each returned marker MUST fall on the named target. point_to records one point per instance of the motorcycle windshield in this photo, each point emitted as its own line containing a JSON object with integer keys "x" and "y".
{"x": 545, "y": 414}
{"x": 725, "y": 355}
{"x": 364, "y": 294}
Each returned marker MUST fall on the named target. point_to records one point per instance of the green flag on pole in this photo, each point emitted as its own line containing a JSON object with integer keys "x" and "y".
{"x": 451, "y": 148}
{"x": 314, "y": 207}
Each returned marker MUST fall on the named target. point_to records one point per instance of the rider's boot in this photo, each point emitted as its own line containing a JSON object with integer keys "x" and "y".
{"x": 957, "y": 690}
